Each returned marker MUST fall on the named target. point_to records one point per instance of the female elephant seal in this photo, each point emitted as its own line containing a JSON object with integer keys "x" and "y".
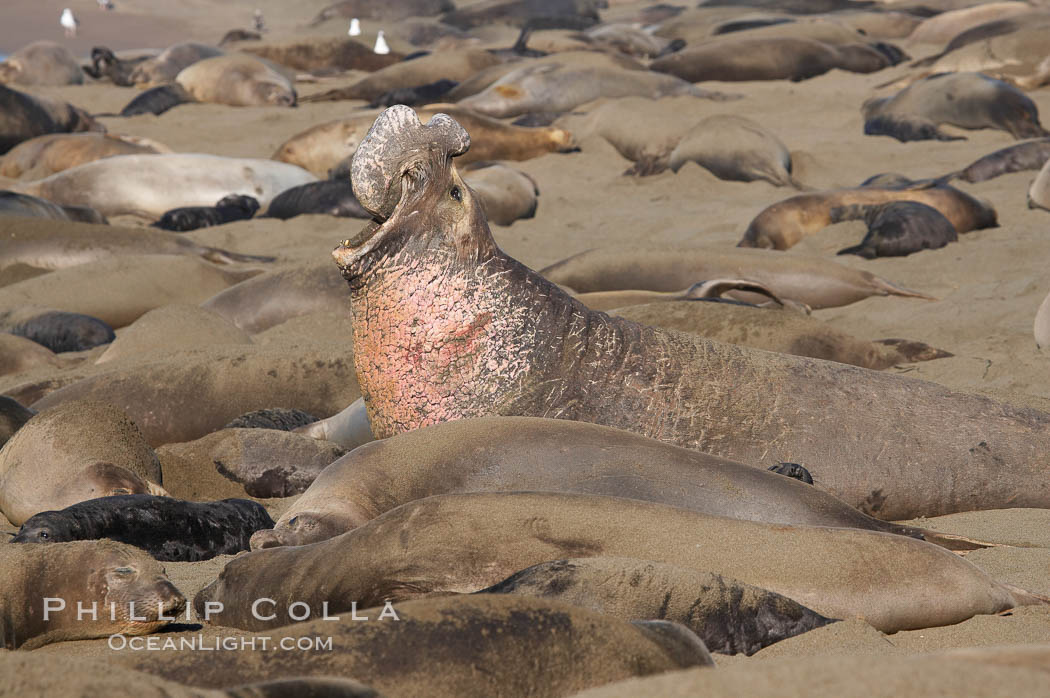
{"x": 467, "y": 542}
{"x": 816, "y": 282}
{"x": 735, "y": 148}
{"x": 42, "y": 63}
{"x": 506, "y": 454}
{"x": 783, "y": 224}
{"x": 730, "y": 617}
{"x": 74, "y": 452}
{"x": 236, "y": 80}
{"x": 169, "y": 529}
{"x": 125, "y": 586}
{"x": 25, "y": 206}
{"x": 162, "y": 69}
{"x": 1031, "y": 155}
{"x": 24, "y": 116}
{"x": 497, "y": 338}
{"x": 45, "y": 155}
{"x": 966, "y": 100}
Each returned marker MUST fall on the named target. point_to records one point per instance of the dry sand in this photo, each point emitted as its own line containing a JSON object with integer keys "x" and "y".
{"x": 989, "y": 284}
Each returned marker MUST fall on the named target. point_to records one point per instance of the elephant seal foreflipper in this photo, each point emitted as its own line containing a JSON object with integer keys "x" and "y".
{"x": 967, "y": 100}
{"x": 170, "y": 530}
{"x": 897, "y": 228}
{"x": 77, "y": 451}
{"x": 235, "y": 207}
{"x": 781, "y": 225}
{"x": 466, "y": 542}
{"x": 814, "y": 281}
{"x": 730, "y": 617}
{"x": 99, "y": 572}
{"x": 501, "y": 339}
{"x": 505, "y": 454}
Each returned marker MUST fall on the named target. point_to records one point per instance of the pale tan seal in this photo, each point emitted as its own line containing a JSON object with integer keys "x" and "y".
{"x": 735, "y": 148}
{"x": 103, "y": 572}
{"x": 77, "y": 451}
{"x": 942, "y": 28}
{"x": 42, "y": 63}
{"x": 170, "y": 328}
{"x": 45, "y": 155}
{"x": 237, "y": 80}
{"x": 506, "y": 194}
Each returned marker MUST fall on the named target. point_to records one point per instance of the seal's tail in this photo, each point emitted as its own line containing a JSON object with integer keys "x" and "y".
{"x": 218, "y": 256}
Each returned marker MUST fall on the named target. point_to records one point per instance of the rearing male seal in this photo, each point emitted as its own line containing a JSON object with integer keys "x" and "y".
{"x": 447, "y": 326}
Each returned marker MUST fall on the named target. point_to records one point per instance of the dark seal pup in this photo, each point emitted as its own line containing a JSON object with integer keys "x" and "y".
{"x": 332, "y": 197}
{"x": 59, "y": 330}
{"x": 897, "y": 229}
{"x": 235, "y": 207}
{"x": 171, "y": 530}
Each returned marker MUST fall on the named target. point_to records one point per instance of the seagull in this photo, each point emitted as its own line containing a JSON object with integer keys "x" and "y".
{"x": 381, "y": 47}
{"x": 69, "y": 22}
{"x": 105, "y": 4}
{"x": 355, "y": 27}
{"x": 260, "y": 25}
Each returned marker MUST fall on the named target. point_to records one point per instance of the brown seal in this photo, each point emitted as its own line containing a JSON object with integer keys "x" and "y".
{"x": 80, "y": 450}
{"x": 783, "y": 224}
{"x": 466, "y": 542}
{"x": 24, "y": 116}
{"x": 104, "y": 575}
{"x": 237, "y": 80}
{"x": 447, "y": 326}
{"x": 506, "y": 454}
{"x": 814, "y": 281}
{"x": 324, "y": 55}
{"x": 45, "y": 155}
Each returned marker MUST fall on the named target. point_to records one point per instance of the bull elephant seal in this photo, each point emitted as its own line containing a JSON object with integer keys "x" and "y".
{"x": 966, "y": 100}
{"x": 77, "y": 451}
{"x": 24, "y": 116}
{"x": 730, "y": 617}
{"x": 45, "y": 155}
{"x": 331, "y": 197}
{"x": 735, "y": 148}
{"x": 783, "y": 224}
{"x": 731, "y": 59}
{"x": 94, "y": 573}
{"x": 235, "y": 207}
{"x": 323, "y": 147}
{"x": 239, "y": 81}
{"x": 1039, "y": 191}
{"x": 162, "y": 69}
{"x": 1031, "y": 155}
{"x": 467, "y": 542}
{"x": 42, "y": 63}
{"x": 150, "y": 185}
{"x": 168, "y": 529}
{"x": 505, "y": 454}
{"x": 814, "y": 281}
{"x": 897, "y": 229}
{"x": 501, "y": 339}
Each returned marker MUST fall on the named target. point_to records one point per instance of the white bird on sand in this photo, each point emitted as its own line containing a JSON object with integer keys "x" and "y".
{"x": 69, "y": 22}
{"x": 381, "y": 46}
{"x": 355, "y": 27}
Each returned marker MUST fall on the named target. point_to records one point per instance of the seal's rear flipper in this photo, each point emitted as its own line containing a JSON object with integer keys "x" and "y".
{"x": 906, "y": 129}
{"x": 157, "y": 100}
{"x": 860, "y": 250}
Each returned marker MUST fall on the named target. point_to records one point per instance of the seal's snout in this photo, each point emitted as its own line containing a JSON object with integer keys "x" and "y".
{"x": 267, "y": 538}
{"x": 396, "y": 140}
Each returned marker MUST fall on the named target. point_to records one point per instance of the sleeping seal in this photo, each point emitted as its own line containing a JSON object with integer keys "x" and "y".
{"x": 170, "y": 530}
{"x": 42, "y": 63}
{"x": 897, "y": 228}
{"x": 235, "y": 207}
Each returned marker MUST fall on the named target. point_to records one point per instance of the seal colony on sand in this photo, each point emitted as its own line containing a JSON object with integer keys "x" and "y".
{"x": 499, "y": 339}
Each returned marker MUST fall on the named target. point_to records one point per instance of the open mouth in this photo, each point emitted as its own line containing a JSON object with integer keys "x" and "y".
{"x": 352, "y": 250}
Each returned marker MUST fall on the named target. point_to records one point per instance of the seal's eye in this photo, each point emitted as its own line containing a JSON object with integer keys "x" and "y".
{"x": 456, "y": 193}
{"x": 44, "y": 535}
{"x": 124, "y": 571}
